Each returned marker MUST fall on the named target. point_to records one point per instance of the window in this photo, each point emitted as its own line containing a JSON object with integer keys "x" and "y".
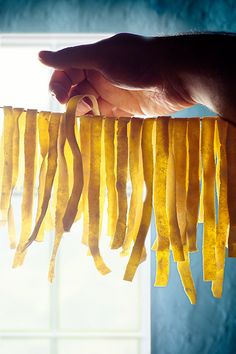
{"x": 81, "y": 311}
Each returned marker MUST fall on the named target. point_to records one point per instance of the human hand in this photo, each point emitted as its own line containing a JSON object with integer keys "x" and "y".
{"x": 135, "y": 75}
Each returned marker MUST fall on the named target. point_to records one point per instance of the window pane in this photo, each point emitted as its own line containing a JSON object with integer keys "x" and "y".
{"x": 90, "y": 301}
{"x": 22, "y": 346}
{"x": 99, "y": 346}
{"x": 30, "y": 78}
{"x": 25, "y": 290}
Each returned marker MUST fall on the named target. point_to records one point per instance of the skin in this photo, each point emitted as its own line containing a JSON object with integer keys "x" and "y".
{"x": 135, "y": 75}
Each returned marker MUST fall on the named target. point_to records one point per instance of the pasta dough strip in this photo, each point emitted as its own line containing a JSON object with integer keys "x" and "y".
{"x": 72, "y": 206}
{"x": 175, "y": 237}
{"x": 137, "y": 183}
{"x": 109, "y": 140}
{"x": 51, "y": 171}
{"x": 85, "y": 152}
{"x": 43, "y": 125}
{"x": 223, "y": 214}
{"x": 94, "y": 193}
{"x": 15, "y": 162}
{"x": 29, "y": 178}
{"x": 62, "y": 195}
{"x": 231, "y": 170}
{"x": 162, "y": 242}
{"x": 208, "y": 164}
{"x": 147, "y": 153}
{"x": 186, "y": 277}
{"x": 180, "y": 162}
{"x": 180, "y": 157}
{"x": 8, "y": 130}
{"x": 122, "y": 169}
{"x": 193, "y": 194}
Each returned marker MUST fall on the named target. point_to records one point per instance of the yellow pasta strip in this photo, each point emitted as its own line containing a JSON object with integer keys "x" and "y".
{"x": 62, "y": 195}
{"x": 72, "y": 206}
{"x": 137, "y": 183}
{"x": 21, "y": 169}
{"x": 180, "y": 157}
{"x": 231, "y": 170}
{"x": 94, "y": 193}
{"x": 29, "y": 178}
{"x": 109, "y": 140}
{"x": 102, "y": 180}
{"x": 175, "y": 237}
{"x": 15, "y": 168}
{"x": 147, "y": 153}
{"x": 51, "y": 171}
{"x": 122, "y": 169}
{"x": 223, "y": 214}
{"x": 43, "y": 125}
{"x": 208, "y": 164}
{"x": 193, "y": 194}
{"x": 180, "y": 161}
{"x": 201, "y": 207}
{"x": 85, "y": 152}
{"x": 186, "y": 277}
{"x": 8, "y": 162}
{"x": 17, "y": 112}
{"x": 84, "y": 145}
{"x": 1, "y": 162}
{"x": 159, "y": 201}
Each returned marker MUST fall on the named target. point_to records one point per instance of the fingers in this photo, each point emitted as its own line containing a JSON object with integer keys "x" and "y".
{"x": 81, "y": 57}
{"x": 62, "y": 82}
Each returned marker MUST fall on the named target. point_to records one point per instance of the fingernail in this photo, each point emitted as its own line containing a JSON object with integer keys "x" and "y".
{"x": 43, "y": 54}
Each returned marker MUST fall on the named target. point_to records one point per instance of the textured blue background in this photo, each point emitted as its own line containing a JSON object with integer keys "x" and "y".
{"x": 177, "y": 327}
{"x": 141, "y": 16}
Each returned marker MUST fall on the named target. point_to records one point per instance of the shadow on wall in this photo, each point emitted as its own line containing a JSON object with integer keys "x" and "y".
{"x": 148, "y": 17}
{"x": 205, "y": 328}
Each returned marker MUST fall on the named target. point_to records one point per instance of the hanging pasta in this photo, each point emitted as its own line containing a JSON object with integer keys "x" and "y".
{"x": 80, "y": 162}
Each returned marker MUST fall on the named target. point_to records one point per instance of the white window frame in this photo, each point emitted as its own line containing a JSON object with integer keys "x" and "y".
{"x": 54, "y": 42}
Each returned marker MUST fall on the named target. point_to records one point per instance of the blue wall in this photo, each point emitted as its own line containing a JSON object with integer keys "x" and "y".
{"x": 177, "y": 327}
{"x": 149, "y": 17}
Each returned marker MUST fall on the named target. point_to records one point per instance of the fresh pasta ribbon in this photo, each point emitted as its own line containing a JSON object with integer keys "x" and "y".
{"x": 10, "y": 159}
{"x": 164, "y": 157}
{"x": 147, "y": 153}
{"x": 193, "y": 183}
{"x": 29, "y": 177}
{"x": 186, "y": 277}
{"x": 72, "y": 206}
{"x": 208, "y": 165}
{"x": 85, "y": 152}
{"x": 110, "y": 166}
{"x": 122, "y": 171}
{"x": 94, "y": 193}
{"x": 179, "y": 146}
{"x": 51, "y": 172}
{"x": 43, "y": 125}
{"x": 162, "y": 243}
{"x": 134, "y": 216}
{"x": 10, "y": 170}
{"x": 223, "y": 213}
{"x": 231, "y": 191}
{"x": 175, "y": 236}
{"x": 62, "y": 195}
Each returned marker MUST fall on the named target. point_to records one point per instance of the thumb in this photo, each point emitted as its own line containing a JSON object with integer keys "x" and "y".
{"x": 81, "y": 57}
